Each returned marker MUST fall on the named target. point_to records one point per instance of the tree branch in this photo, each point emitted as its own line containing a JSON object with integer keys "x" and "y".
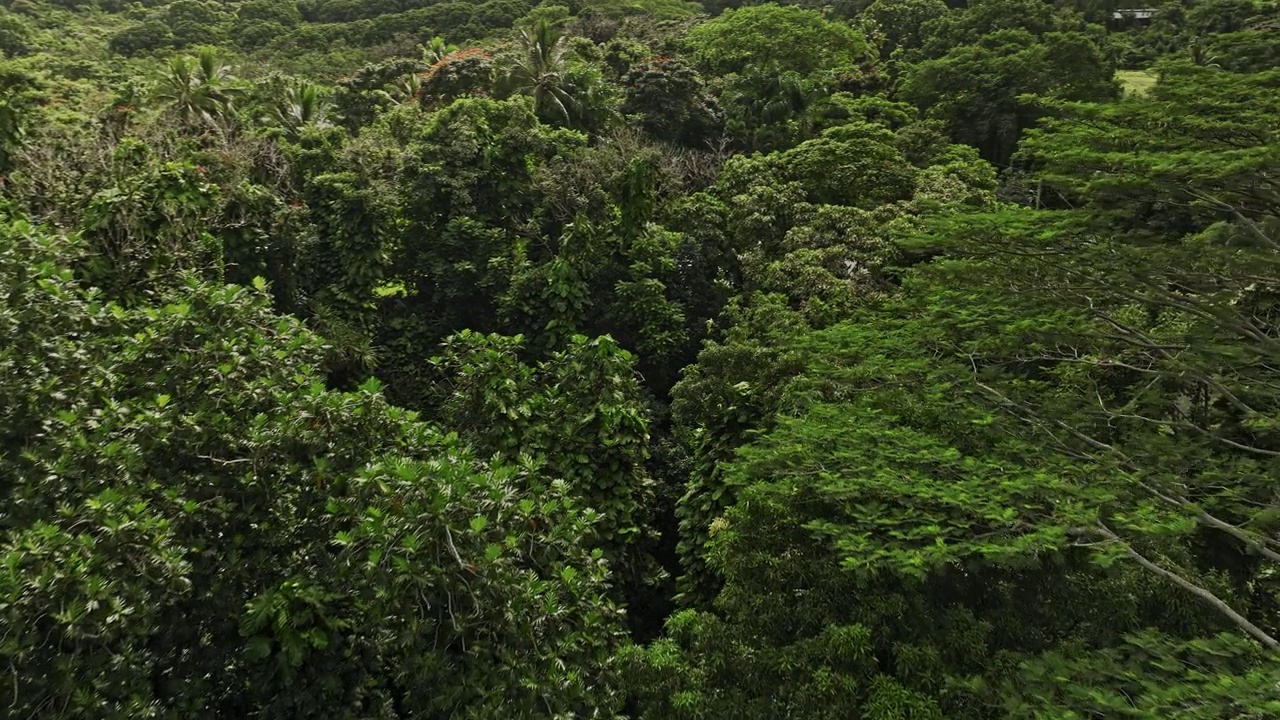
{"x": 1250, "y": 540}
{"x": 1213, "y": 600}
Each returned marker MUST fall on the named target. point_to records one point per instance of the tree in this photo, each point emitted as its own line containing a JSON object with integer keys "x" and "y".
{"x": 976, "y": 89}
{"x": 770, "y": 108}
{"x": 1219, "y": 133}
{"x": 460, "y": 193}
{"x": 772, "y": 65}
{"x": 187, "y": 506}
{"x": 300, "y": 104}
{"x": 1221, "y": 16}
{"x": 1245, "y": 52}
{"x": 1184, "y": 309}
{"x": 656, "y": 9}
{"x": 937, "y": 565}
{"x": 731, "y": 391}
{"x": 785, "y": 36}
{"x": 142, "y": 37}
{"x": 581, "y": 412}
{"x": 826, "y": 612}
{"x": 194, "y": 23}
{"x": 985, "y": 17}
{"x": 284, "y": 13}
{"x": 541, "y": 69}
{"x": 199, "y": 91}
{"x": 150, "y": 226}
{"x": 363, "y": 94}
{"x": 458, "y": 74}
{"x": 437, "y": 50}
{"x": 900, "y": 23}
{"x": 855, "y": 164}
{"x": 15, "y": 35}
{"x": 672, "y": 102}
{"x": 17, "y": 86}
{"x": 10, "y": 134}
{"x": 804, "y": 263}
{"x": 879, "y": 359}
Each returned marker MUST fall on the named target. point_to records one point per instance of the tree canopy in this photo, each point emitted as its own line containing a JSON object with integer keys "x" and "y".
{"x": 651, "y": 359}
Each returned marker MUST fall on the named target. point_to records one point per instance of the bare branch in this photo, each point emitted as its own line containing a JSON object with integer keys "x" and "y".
{"x": 1213, "y": 600}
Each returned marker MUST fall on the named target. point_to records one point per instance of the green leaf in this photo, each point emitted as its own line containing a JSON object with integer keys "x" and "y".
{"x": 258, "y": 648}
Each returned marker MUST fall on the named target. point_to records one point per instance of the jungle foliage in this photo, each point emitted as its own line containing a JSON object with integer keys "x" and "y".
{"x": 391, "y": 359}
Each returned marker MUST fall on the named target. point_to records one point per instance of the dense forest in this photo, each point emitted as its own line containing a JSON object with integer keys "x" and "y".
{"x": 391, "y": 359}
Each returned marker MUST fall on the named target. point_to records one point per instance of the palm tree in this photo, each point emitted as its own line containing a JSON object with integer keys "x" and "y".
{"x": 540, "y": 70}
{"x": 405, "y": 89}
{"x": 437, "y": 50}
{"x": 1200, "y": 55}
{"x": 199, "y": 90}
{"x": 773, "y": 101}
{"x": 300, "y": 105}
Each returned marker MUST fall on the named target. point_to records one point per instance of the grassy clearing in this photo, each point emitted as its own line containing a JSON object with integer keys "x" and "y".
{"x": 1136, "y": 82}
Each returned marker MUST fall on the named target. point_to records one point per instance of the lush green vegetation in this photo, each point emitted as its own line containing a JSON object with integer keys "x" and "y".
{"x": 390, "y": 359}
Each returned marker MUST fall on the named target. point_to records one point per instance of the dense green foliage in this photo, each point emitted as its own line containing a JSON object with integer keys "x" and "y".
{"x": 389, "y": 359}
